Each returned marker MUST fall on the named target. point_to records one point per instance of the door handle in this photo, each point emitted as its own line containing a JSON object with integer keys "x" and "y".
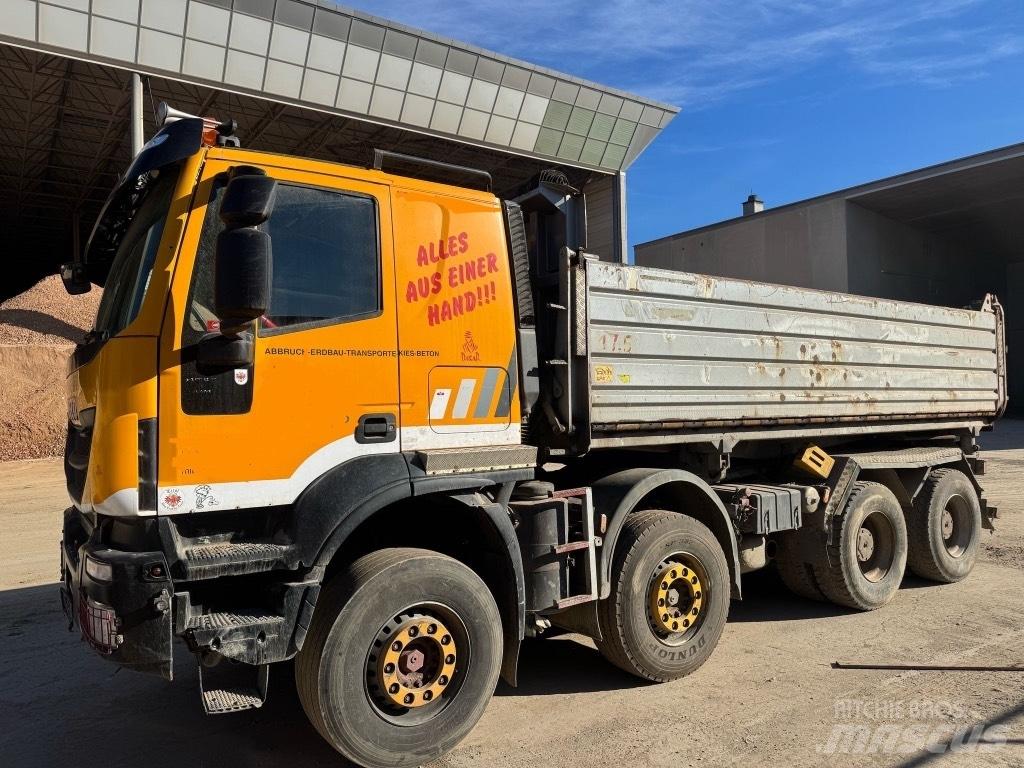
{"x": 376, "y": 428}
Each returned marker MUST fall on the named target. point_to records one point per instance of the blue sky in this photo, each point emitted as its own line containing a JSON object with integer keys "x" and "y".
{"x": 786, "y": 98}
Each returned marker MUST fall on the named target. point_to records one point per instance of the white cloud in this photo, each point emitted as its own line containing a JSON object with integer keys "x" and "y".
{"x": 692, "y": 52}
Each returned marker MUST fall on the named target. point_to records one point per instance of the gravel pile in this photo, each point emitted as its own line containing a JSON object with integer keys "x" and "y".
{"x": 46, "y": 314}
{"x": 37, "y": 329}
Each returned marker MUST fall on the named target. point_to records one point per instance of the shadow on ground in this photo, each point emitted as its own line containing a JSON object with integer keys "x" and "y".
{"x": 40, "y": 322}
{"x": 60, "y": 704}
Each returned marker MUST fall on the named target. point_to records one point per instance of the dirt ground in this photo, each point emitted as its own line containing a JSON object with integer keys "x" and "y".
{"x": 768, "y": 694}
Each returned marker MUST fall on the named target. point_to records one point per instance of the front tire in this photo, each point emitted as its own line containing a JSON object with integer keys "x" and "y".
{"x": 670, "y": 597}
{"x": 944, "y": 528}
{"x": 401, "y": 658}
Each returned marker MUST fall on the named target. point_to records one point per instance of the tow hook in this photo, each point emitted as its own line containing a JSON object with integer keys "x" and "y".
{"x": 162, "y": 602}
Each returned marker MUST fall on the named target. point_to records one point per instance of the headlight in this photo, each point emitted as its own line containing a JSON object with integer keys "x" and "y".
{"x": 99, "y": 571}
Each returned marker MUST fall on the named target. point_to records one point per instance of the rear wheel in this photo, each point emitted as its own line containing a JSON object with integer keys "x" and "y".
{"x": 868, "y": 556}
{"x": 796, "y": 573}
{"x": 401, "y": 658}
{"x": 944, "y": 527}
{"x": 670, "y": 597}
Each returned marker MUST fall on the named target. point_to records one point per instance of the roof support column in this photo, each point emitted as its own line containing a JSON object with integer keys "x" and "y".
{"x": 137, "y": 124}
{"x": 619, "y": 203}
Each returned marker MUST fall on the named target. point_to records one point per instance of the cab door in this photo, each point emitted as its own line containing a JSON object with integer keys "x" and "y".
{"x": 323, "y": 386}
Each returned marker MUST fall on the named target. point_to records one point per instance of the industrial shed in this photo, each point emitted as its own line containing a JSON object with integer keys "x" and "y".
{"x": 80, "y": 80}
{"x": 947, "y": 234}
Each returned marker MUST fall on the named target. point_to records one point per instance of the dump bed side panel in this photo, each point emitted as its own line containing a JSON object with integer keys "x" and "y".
{"x": 674, "y": 348}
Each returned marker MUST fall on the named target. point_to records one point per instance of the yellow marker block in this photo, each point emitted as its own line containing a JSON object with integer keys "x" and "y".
{"x": 816, "y": 462}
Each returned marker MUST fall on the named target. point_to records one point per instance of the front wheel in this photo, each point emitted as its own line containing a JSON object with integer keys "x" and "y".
{"x": 670, "y": 597}
{"x": 401, "y": 658}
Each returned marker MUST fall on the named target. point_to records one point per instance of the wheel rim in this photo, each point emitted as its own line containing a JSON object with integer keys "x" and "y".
{"x": 677, "y": 594}
{"x": 875, "y": 546}
{"x": 416, "y": 663}
{"x": 955, "y": 525}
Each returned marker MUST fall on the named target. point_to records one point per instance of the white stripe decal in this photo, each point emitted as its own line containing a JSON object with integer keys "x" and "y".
{"x": 464, "y": 398}
{"x": 259, "y": 493}
{"x": 439, "y": 404}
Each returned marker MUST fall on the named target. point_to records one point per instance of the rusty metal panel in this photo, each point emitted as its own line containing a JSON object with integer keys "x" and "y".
{"x": 674, "y": 348}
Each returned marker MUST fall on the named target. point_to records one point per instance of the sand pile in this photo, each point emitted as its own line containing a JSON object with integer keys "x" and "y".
{"x": 46, "y": 314}
{"x": 37, "y": 330}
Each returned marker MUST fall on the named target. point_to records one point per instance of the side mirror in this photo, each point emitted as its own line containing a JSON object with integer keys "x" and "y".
{"x": 243, "y": 262}
{"x": 216, "y": 352}
{"x": 74, "y": 277}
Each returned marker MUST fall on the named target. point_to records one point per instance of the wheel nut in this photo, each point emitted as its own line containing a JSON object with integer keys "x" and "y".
{"x": 445, "y": 639}
{"x": 443, "y": 680}
{"x": 389, "y": 668}
{"x": 396, "y": 646}
{"x": 428, "y": 695}
{"x": 449, "y": 659}
{"x": 413, "y": 631}
{"x": 393, "y": 688}
{"x": 432, "y": 629}
{"x": 409, "y": 698}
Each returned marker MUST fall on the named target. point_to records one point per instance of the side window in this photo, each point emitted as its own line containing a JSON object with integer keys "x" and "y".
{"x": 326, "y": 261}
{"x": 326, "y": 258}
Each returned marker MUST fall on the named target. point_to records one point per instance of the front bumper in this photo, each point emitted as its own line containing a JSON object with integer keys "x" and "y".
{"x": 125, "y": 614}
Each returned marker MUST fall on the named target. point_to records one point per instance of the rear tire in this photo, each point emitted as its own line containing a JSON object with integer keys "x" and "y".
{"x": 669, "y": 599}
{"x": 868, "y": 556}
{"x": 944, "y": 527}
{"x": 796, "y": 573}
{"x": 383, "y": 603}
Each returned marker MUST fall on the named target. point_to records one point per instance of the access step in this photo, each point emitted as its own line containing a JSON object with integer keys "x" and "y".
{"x": 228, "y": 558}
{"x": 232, "y": 687}
{"x": 252, "y": 636}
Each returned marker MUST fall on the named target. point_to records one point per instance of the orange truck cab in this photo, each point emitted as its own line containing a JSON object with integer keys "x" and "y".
{"x": 316, "y": 419}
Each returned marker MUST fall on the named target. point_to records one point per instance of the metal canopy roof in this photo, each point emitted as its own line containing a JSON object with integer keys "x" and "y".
{"x": 298, "y": 76}
{"x": 347, "y": 63}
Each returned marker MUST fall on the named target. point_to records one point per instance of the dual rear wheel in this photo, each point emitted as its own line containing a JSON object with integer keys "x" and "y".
{"x": 876, "y": 541}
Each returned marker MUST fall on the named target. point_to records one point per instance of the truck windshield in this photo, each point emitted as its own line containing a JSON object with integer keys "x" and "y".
{"x": 132, "y": 265}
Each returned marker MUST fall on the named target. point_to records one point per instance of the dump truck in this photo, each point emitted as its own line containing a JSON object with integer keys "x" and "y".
{"x": 381, "y": 424}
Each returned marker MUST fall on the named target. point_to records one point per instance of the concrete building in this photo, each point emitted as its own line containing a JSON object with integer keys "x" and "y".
{"x": 947, "y": 234}
{"x": 81, "y": 79}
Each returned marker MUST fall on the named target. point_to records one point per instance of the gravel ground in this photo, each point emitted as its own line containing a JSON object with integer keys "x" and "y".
{"x": 767, "y": 696}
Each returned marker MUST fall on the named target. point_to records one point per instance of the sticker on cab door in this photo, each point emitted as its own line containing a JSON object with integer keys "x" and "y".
{"x": 241, "y": 376}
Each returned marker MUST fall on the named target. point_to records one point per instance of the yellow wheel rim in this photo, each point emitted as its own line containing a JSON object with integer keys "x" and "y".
{"x": 417, "y": 663}
{"x": 676, "y": 596}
